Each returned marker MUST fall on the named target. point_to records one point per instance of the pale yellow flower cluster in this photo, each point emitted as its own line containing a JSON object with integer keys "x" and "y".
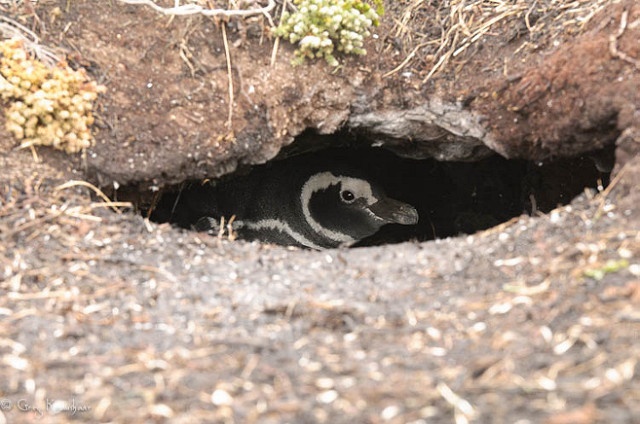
{"x": 321, "y": 26}
{"x": 46, "y": 106}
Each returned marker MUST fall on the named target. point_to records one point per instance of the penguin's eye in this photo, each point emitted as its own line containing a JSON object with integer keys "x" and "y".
{"x": 348, "y": 196}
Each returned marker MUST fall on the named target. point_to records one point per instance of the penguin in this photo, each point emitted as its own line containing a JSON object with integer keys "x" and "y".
{"x": 316, "y": 204}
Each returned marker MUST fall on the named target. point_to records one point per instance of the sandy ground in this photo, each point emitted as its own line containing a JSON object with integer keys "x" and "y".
{"x": 533, "y": 321}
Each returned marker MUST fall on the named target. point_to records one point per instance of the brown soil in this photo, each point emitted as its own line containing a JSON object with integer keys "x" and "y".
{"x": 536, "y": 320}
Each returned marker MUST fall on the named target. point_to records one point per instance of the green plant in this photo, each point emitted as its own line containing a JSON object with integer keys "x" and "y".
{"x": 611, "y": 266}
{"x": 320, "y": 27}
{"x": 47, "y": 106}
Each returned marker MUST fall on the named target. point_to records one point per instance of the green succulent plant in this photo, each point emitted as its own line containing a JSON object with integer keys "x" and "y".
{"x": 321, "y": 27}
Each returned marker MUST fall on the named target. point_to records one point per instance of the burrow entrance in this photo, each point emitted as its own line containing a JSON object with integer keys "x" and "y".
{"x": 451, "y": 198}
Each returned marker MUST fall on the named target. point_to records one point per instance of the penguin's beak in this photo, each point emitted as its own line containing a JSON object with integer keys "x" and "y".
{"x": 394, "y": 212}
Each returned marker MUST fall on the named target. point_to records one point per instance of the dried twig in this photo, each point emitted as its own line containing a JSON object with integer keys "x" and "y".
{"x": 276, "y": 43}
{"x": 194, "y": 9}
{"x": 613, "y": 42}
{"x": 407, "y": 59}
{"x": 227, "y": 55}
{"x": 232, "y": 235}
{"x": 96, "y": 190}
{"x": 604, "y": 195}
{"x": 221, "y": 229}
{"x": 460, "y": 405}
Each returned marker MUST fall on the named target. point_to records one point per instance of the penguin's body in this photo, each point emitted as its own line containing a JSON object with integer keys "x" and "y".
{"x": 314, "y": 204}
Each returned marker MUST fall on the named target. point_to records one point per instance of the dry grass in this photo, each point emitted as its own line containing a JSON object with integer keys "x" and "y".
{"x": 444, "y": 33}
{"x": 28, "y": 212}
{"x": 11, "y": 29}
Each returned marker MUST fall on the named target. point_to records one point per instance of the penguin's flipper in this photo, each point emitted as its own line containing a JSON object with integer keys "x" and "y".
{"x": 208, "y": 224}
{"x": 212, "y": 226}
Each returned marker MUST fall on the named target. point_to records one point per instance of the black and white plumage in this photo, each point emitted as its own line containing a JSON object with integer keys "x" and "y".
{"x": 317, "y": 205}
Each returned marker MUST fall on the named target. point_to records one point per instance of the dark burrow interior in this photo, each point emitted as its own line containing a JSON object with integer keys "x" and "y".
{"x": 452, "y": 198}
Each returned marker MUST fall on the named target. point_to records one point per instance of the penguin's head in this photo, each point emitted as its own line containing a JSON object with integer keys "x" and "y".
{"x": 344, "y": 209}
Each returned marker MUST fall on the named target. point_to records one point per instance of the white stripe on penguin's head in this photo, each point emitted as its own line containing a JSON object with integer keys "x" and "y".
{"x": 324, "y": 180}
